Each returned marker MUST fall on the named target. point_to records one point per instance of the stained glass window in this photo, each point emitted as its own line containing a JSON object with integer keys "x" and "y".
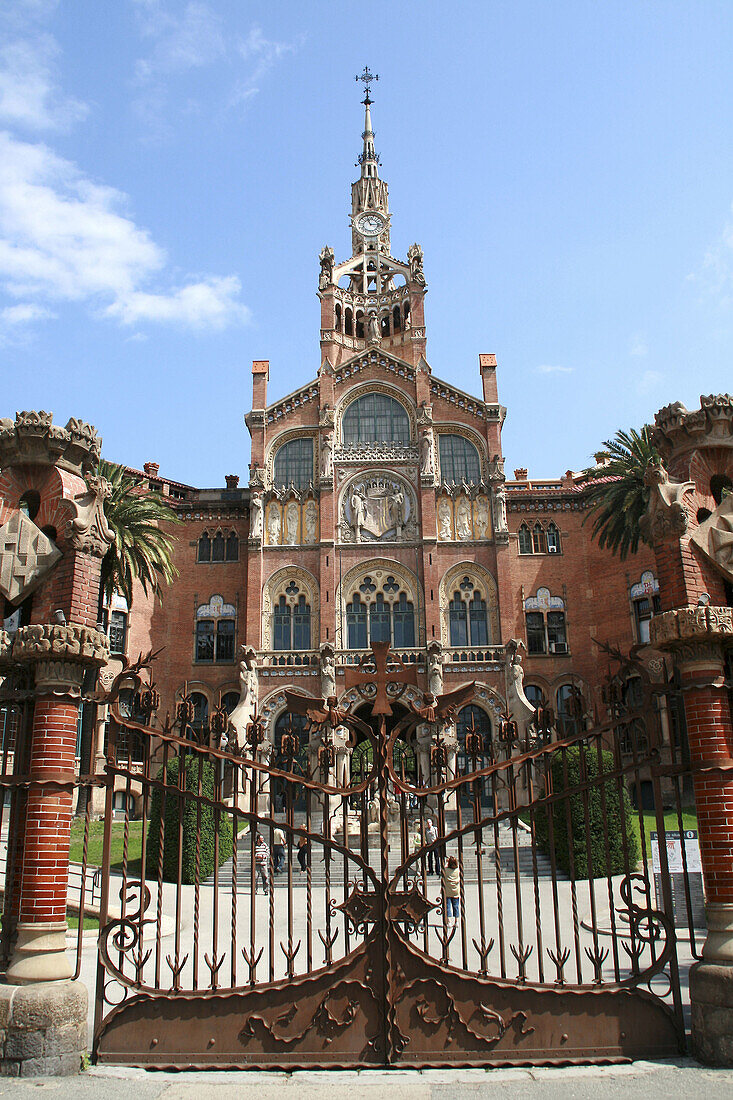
{"x": 375, "y": 417}
{"x": 459, "y": 460}
{"x": 294, "y": 464}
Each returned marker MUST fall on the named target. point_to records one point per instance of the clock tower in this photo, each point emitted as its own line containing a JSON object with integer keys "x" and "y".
{"x": 371, "y": 299}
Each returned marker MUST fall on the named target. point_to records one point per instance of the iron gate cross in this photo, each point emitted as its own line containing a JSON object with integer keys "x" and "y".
{"x": 360, "y": 676}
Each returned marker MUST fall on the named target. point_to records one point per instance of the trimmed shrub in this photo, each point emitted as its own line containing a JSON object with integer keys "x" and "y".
{"x": 571, "y": 811}
{"x": 208, "y": 824}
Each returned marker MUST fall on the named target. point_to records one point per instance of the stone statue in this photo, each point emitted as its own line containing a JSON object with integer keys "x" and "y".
{"x": 311, "y": 522}
{"x": 415, "y": 258}
{"x": 292, "y": 516}
{"x": 358, "y": 511}
{"x": 327, "y": 455}
{"x": 426, "y": 454}
{"x": 444, "y": 519}
{"x": 482, "y": 517}
{"x": 500, "y": 523}
{"x": 715, "y": 537}
{"x": 273, "y": 524}
{"x": 435, "y": 668}
{"x": 255, "y": 531}
{"x": 326, "y": 419}
{"x": 88, "y": 528}
{"x": 328, "y": 671}
{"x": 517, "y": 703}
{"x": 242, "y": 713}
{"x": 373, "y": 334}
{"x": 326, "y": 276}
{"x": 397, "y": 507}
{"x": 665, "y": 515}
{"x": 463, "y": 519}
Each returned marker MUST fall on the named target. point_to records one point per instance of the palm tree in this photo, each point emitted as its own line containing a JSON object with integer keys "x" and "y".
{"x": 616, "y": 491}
{"x": 141, "y": 550}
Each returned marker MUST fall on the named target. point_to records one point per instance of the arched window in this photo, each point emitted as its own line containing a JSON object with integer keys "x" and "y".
{"x": 348, "y": 322}
{"x": 204, "y": 547}
{"x": 337, "y": 318}
{"x": 379, "y": 620}
{"x": 29, "y": 503}
{"x": 232, "y": 553}
{"x": 9, "y": 727}
{"x": 294, "y": 464}
{"x": 356, "y": 624}
{"x": 291, "y": 724}
{"x": 525, "y": 539}
{"x": 473, "y": 719}
{"x": 404, "y": 623}
{"x": 291, "y": 621}
{"x": 459, "y": 460}
{"x": 229, "y": 701}
{"x": 406, "y": 314}
{"x": 539, "y": 542}
{"x": 375, "y": 417}
{"x": 569, "y": 710}
{"x": 359, "y": 324}
{"x": 215, "y": 631}
{"x": 218, "y": 547}
{"x": 535, "y": 695}
{"x": 553, "y": 539}
{"x": 468, "y": 619}
{"x": 396, "y": 320}
{"x": 545, "y": 622}
{"x": 384, "y": 325}
{"x": 200, "y": 710}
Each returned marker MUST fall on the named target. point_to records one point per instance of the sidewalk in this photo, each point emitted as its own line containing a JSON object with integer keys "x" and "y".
{"x": 652, "y": 1081}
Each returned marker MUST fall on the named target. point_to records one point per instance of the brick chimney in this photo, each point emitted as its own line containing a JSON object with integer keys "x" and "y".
{"x": 232, "y": 481}
{"x": 151, "y": 468}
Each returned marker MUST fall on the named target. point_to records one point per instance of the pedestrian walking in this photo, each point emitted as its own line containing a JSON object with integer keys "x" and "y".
{"x": 278, "y": 850}
{"x": 303, "y": 847}
{"x": 452, "y": 891}
{"x": 262, "y": 863}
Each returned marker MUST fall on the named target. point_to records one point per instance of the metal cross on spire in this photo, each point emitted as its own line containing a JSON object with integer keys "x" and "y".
{"x": 367, "y": 77}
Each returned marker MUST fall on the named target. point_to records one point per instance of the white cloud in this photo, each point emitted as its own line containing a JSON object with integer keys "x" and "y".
{"x": 63, "y": 236}
{"x": 263, "y": 53}
{"x": 183, "y": 41}
{"x": 638, "y": 347}
{"x": 715, "y": 275}
{"x": 546, "y": 368}
{"x": 649, "y": 381}
{"x": 29, "y": 96}
{"x": 24, "y": 313}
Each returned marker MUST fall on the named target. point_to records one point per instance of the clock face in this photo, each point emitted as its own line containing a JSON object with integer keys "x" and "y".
{"x": 370, "y": 225}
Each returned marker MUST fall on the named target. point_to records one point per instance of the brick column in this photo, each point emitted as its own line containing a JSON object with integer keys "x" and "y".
{"x": 698, "y": 637}
{"x": 40, "y": 949}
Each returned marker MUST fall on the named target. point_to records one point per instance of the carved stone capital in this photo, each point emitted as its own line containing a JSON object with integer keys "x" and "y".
{"x": 73, "y": 642}
{"x": 696, "y": 635}
{"x": 59, "y": 677}
{"x": 33, "y": 439}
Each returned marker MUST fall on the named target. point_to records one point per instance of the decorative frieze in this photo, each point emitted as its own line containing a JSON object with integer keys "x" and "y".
{"x": 678, "y": 429}
{"x": 72, "y": 641}
{"x": 59, "y": 677}
{"x": 696, "y": 635}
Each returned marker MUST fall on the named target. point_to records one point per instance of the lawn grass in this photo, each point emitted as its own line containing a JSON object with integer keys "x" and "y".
{"x": 671, "y": 823}
{"x": 91, "y": 924}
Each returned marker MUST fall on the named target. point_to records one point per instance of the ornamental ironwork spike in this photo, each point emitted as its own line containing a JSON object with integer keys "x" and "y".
{"x": 559, "y": 958}
{"x": 521, "y": 954}
{"x": 484, "y": 950}
{"x": 597, "y": 957}
{"x": 214, "y": 966}
{"x": 251, "y": 960}
{"x": 176, "y": 969}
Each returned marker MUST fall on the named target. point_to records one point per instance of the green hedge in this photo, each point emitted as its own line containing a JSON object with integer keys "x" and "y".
{"x": 615, "y": 806}
{"x": 190, "y": 817}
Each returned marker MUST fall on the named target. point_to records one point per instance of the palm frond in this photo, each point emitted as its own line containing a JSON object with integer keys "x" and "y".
{"x": 141, "y": 549}
{"x": 616, "y": 492}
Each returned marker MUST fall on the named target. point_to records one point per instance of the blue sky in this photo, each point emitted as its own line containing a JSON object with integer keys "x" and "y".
{"x": 169, "y": 171}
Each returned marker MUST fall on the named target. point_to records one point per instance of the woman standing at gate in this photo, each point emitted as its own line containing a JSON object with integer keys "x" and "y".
{"x": 452, "y": 891}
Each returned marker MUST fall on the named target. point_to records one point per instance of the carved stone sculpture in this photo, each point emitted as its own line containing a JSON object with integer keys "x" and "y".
{"x": 327, "y": 455}
{"x": 415, "y": 260}
{"x": 292, "y": 517}
{"x": 715, "y": 537}
{"x": 242, "y": 713}
{"x": 327, "y": 260}
{"x": 328, "y": 671}
{"x": 373, "y": 334}
{"x": 463, "y": 519}
{"x": 89, "y": 531}
{"x": 444, "y": 519}
{"x": 255, "y": 531}
{"x": 71, "y": 642}
{"x": 517, "y": 703}
{"x": 435, "y": 668}
{"x": 311, "y": 522}
{"x": 273, "y": 524}
{"x": 26, "y": 556}
{"x": 666, "y": 515}
{"x": 357, "y": 513}
{"x": 500, "y": 521}
{"x": 378, "y": 508}
{"x": 482, "y": 517}
{"x": 426, "y": 454}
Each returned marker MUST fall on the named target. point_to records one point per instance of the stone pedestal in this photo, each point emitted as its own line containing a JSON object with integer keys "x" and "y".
{"x": 43, "y": 1029}
{"x": 698, "y": 638}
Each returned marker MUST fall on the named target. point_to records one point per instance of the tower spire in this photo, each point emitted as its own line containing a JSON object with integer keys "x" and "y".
{"x": 369, "y": 193}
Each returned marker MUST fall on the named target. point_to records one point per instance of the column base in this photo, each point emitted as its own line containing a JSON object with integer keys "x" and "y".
{"x": 43, "y": 1029}
{"x": 718, "y": 946}
{"x": 711, "y": 999}
{"x": 40, "y": 954}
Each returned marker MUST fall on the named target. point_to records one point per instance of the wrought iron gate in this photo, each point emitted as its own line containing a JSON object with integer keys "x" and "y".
{"x": 350, "y": 957}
